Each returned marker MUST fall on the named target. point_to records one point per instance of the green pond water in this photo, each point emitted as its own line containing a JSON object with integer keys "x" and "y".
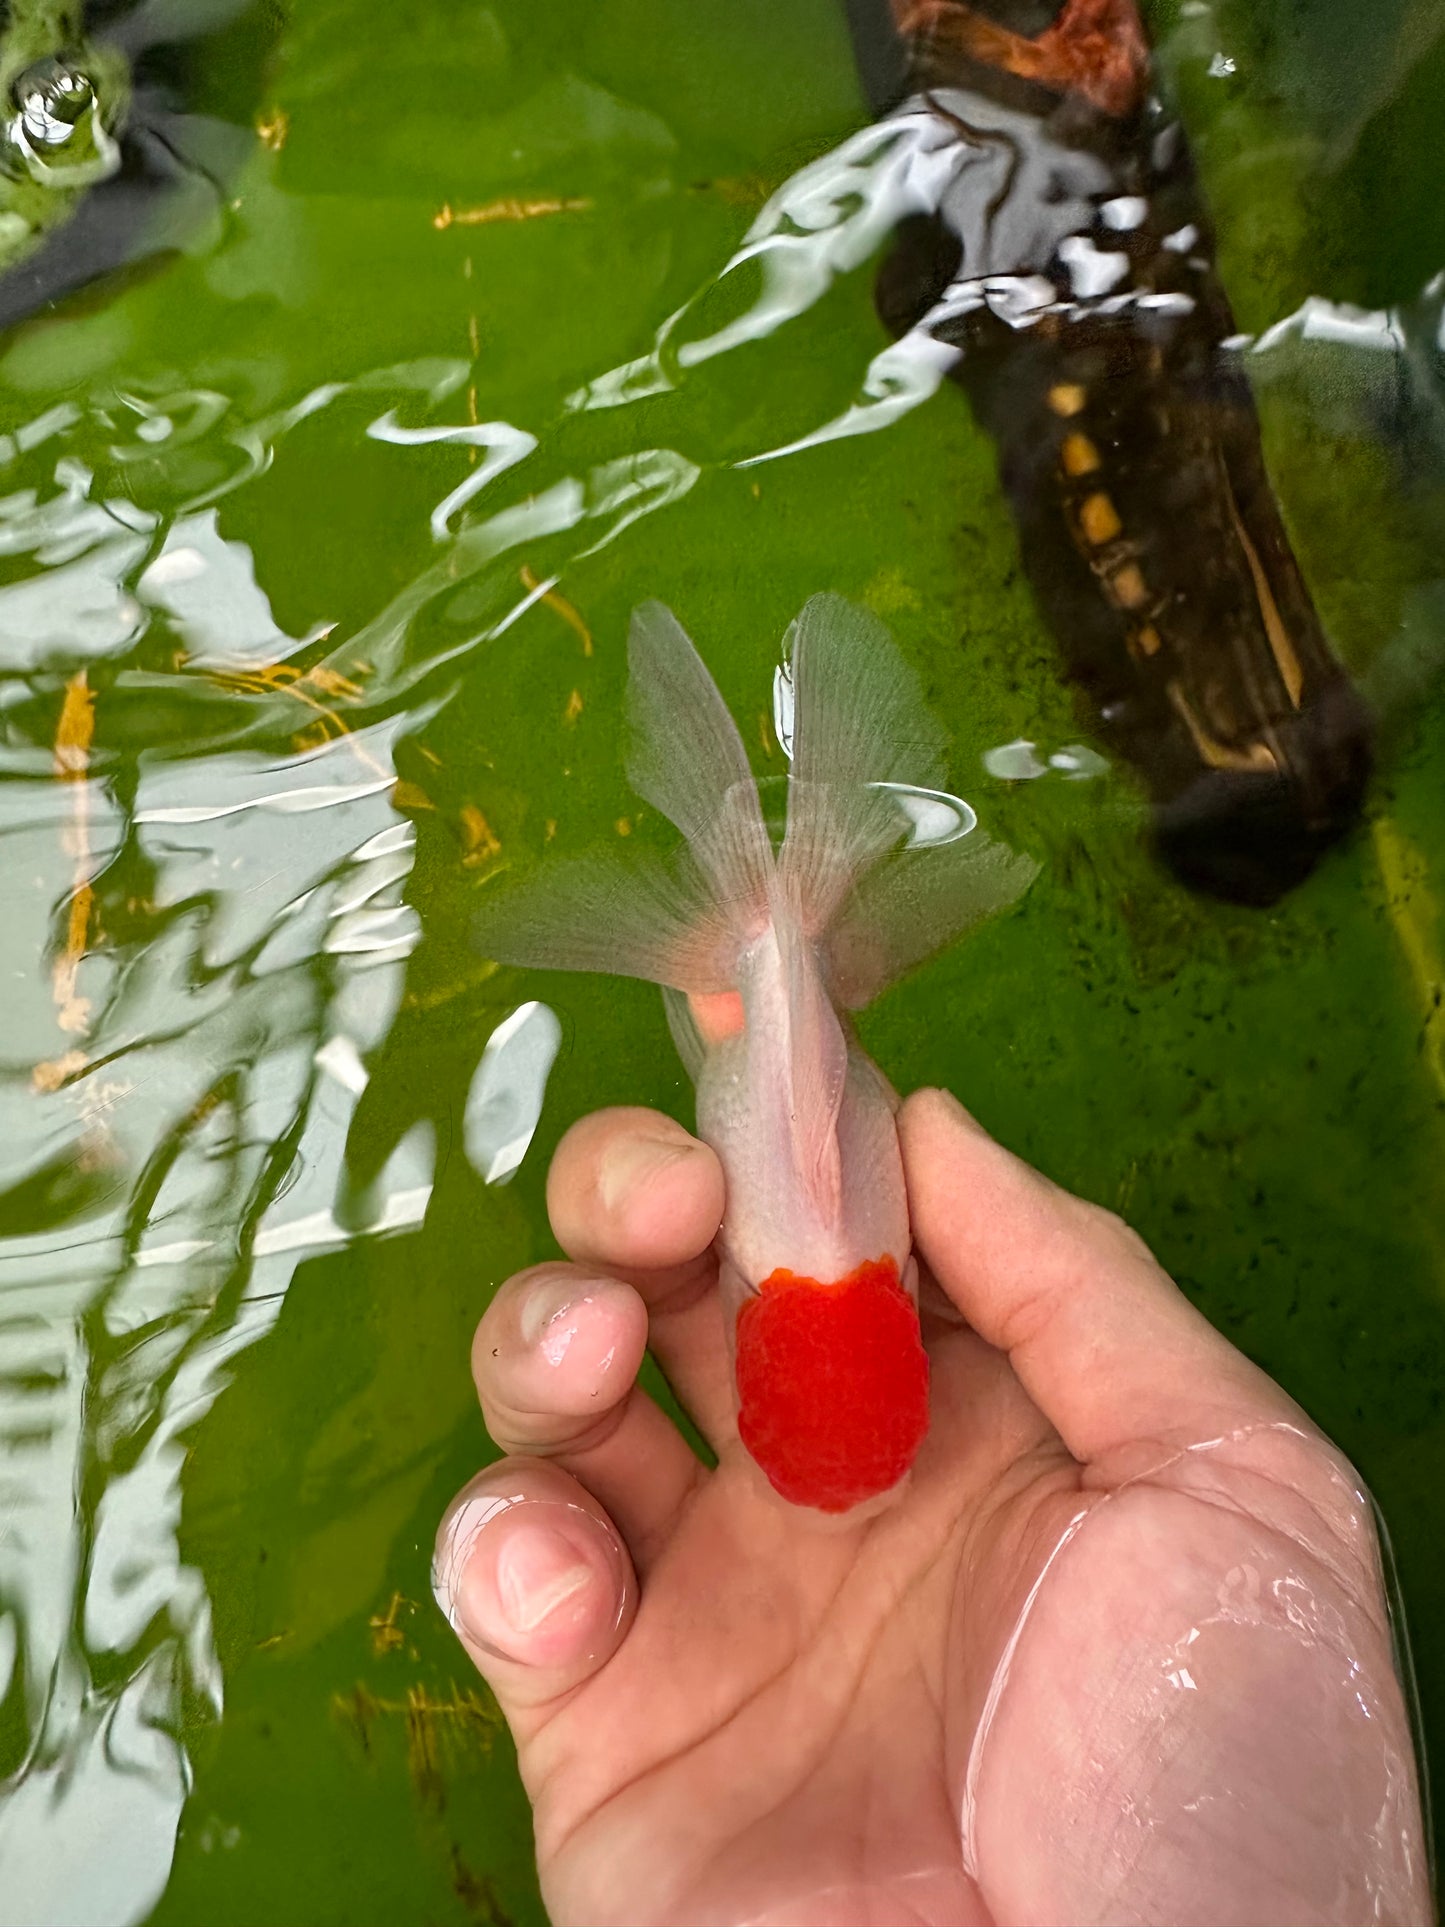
{"x": 317, "y": 548}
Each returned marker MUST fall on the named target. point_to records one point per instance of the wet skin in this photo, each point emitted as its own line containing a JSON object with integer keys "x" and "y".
{"x": 726, "y": 1712}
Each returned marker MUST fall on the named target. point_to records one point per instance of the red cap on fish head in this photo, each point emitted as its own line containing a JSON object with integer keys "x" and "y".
{"x": 832, "y": 1384}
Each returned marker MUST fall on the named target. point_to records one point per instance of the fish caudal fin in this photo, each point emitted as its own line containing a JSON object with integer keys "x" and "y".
{"x": 859, "y": 722}
{"x": 678, "y": 924}
{"x": 628, "y": 917}
{"x": 863, "y": 740}
{"x": 687, "y": 758}
{"x": 844, "y": 890}
{"x": 913, "y": 905}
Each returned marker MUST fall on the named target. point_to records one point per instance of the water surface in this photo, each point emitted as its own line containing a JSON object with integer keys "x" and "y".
{"x": 317, "y": 546}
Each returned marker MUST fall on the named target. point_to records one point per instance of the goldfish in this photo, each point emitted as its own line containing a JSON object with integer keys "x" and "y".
{"x": 763, "y": 947}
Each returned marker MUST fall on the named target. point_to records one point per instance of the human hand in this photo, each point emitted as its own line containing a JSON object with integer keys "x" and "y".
{"x": 1119, "y": 1650}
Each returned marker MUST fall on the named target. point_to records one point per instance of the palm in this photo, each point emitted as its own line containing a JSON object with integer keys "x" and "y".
{"x": 791, "y": 1728}
{"x": 791, "y": 1715}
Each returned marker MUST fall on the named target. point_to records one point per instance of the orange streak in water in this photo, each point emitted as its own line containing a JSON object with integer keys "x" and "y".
{"x": 73, "y": 739}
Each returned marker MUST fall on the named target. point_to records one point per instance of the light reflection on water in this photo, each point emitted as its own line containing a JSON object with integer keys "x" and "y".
{"x": 205, "y": 1126}
{"x": 207, "y": 935}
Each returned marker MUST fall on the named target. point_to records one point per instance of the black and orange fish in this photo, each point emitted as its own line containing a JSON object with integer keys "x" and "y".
{"x": 1071, "y": 261}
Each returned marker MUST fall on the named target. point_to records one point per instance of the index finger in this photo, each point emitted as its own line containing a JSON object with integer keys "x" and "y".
{"x": 1104, "y": 1342}
{"x": 632, "y": 1193}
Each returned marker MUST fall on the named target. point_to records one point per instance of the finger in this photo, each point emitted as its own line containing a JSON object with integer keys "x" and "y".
{"x": 631, "y": 1192}
{"x": 534, "y": 1580}
{"x": 555, "y": 1361}
{"x": 1102, "y": 1340}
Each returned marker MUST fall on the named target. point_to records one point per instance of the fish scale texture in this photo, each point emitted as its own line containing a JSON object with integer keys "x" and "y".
{"x": 832, "y": 1384}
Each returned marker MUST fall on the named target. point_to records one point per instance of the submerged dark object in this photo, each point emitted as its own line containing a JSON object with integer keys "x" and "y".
{"x": 115, "y": 145}
{"x": 1071, "y": 263}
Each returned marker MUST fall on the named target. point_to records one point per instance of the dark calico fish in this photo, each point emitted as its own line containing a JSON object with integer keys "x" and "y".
{"x": 120, "y": 128}
{"x": 1071, "y": 261}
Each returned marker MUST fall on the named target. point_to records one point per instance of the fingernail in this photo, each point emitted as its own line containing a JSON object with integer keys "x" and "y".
{"x": 457, "y": 1545}
{"x": 555, "y": 1310}
{"x": 538, "y": 1571}
{"x": 516, "y": 1574}
{"x": 630, "y": 1162}
{"x": 547, "y": 1300}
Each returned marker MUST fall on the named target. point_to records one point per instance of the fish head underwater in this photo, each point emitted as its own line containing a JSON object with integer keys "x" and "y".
{"x": 763, "y": 947}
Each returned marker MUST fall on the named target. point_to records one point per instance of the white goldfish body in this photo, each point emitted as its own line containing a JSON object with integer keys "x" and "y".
{"x": 761, "y": 950}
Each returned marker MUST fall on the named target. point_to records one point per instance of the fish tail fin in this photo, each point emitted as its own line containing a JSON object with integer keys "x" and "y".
{"x": 859, "y": 723}
{"x": 676, "y": 923}
{"x": 687, "y": 759}
{"x": 867, "y": 751}
{"x": 628, "y": 917}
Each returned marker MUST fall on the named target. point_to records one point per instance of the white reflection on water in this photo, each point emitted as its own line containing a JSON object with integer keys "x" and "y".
{"x": 200, "y": 1115}
{"x": 504, "y": 447}
{"x": 1021, "y": 761}
{"x": 826, "y": 220}
{"x": 504, "y": 1103}
{"x": 116, "y": 1332}
{"x": 1375, "y": 378}
{"x": 199, "y": 1122}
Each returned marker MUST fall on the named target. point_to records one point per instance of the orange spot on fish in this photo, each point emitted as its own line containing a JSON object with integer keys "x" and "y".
{"x": 717, "y": 1014}
{"x": 832, "y": 1384}
{"x": 1078, "y": 455}
{"x": 1099, "y": 520}
{"x": 1128, "y": 587}
{"x": 1095, "y": 48}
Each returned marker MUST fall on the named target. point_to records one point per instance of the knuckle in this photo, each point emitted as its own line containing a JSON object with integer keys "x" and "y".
{"x": 514, "y": 1429}
{"x": 1028, "y": 1313}
{"x": 1111, "y": 1238}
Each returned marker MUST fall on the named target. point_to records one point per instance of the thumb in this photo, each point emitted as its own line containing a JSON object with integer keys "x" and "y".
{"x": 1105, "y": 1344}
{"x": 535, "y": 1581}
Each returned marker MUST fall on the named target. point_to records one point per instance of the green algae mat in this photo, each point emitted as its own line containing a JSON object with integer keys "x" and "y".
{"x": 319, "y": 533}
